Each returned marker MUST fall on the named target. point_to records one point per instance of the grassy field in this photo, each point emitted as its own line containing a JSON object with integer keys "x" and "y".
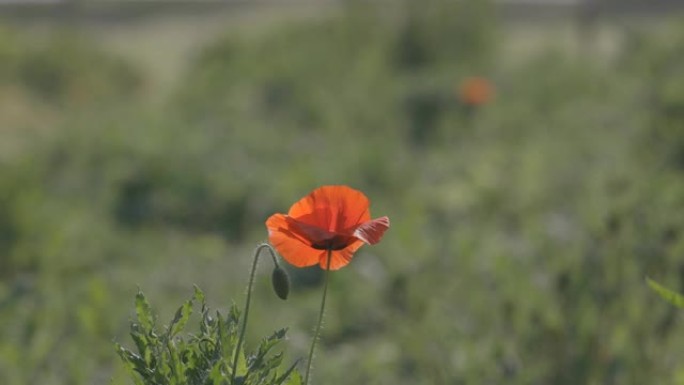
{"x": 522, "y": 227}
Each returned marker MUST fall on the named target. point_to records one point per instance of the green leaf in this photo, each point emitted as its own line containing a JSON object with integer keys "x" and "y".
{"x": 264, "y": 347}
{"x": 233, "y": 316}
{"x": 132, "y": 360}
{"x": 667, "y": 294}
{"x": 144, "y": 312}
{"x": 177, "y": 357}
{"x": 139, "y": 338}
{"x": 207, "y": 323}
{"x": 295, "y": 379}
{"x": 199, "y": 297}
{"x": 216, "y": 375}
{"x": 180, "y": 319}
{"x": 287, "y": 373}
{"x": 241, "y": 369}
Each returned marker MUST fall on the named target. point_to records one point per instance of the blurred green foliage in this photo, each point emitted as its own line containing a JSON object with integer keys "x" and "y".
{"x": 63, "y": 69}
{"x": 521, "y": 230}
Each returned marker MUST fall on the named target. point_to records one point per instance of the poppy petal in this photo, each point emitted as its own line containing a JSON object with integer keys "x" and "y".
{"x": 371, "y": 232}
{"x": 340, "y": 258}
{"x": 333, "y": 208}
{"x": 291, "y": 246}
{"x": 313, "y": 234}
{"x": 282, "y": 223}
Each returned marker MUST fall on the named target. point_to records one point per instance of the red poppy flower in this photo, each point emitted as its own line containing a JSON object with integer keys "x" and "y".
{"x": 475, "y": 91}
{"x": 334, "y": 218}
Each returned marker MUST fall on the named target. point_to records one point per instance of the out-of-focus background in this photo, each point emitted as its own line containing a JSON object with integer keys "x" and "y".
{"x": 529, "y": 154}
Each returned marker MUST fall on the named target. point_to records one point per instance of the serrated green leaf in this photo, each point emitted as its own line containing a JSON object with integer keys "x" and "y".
{"x": 233, "y": 315}
{"x": 287, "y": 373}
{"x": 131, "y": 360}
{"x": 216, "y": 375}
{"x": 271, "y": 341}
{"x": 207, "y": 323}
{"x": 174, "y": 361}
{"x": 261, "y": 364}
{"x": 295, "y": 379}
{"x": 127, "y": 355}
{"x": 670, "y": 296}
{"x": 241, "y": 364}
{"x": 144, "y": 313}
{"x": 180, "y": 319}
{"x": 199, "y": 296}
{"x": 179, "y": 358}
{"x": 279, "y": 334}
{"x": 140, "y": 339}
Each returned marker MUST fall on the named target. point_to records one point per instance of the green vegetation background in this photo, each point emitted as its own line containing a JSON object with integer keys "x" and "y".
{"x": 521, "y": 231}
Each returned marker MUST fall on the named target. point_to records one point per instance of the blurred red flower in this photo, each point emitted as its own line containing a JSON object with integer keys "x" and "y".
{"x": 335, "y": 218}
{"x": 476, "y": 91}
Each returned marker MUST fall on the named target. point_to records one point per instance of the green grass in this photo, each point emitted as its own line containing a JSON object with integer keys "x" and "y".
{"x": 521, "y": 231}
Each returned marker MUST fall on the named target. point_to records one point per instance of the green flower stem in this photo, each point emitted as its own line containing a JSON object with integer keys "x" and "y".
{"x": 257, "y": 252}
{"x": 320, "y": 318}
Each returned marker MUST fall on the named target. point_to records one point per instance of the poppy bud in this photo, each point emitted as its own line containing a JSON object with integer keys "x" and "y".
{"x": 281, "y": 282}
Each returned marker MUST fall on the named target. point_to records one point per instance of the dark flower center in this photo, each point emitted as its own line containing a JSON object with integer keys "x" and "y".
{"x": 338, "y": 242}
